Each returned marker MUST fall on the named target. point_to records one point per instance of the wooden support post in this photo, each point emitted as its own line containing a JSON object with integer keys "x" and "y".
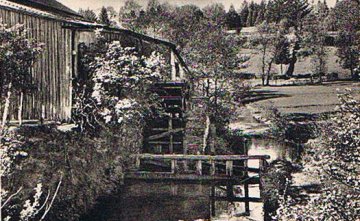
{"x": 199, "y": 167}
{"x": 172, "y": 63}
{"x": 212, "y": 204}
{"x": 137, "y": 163}
{"x": 262, "y": 165}
{"x": 246, "y": 166}
{"x": 213, "y": 136}
{"x": 171, "y": 144}
{"x": 229, "y": 190}
{"x": 247, "y": 203}
{"x": 173, "y": 166}
{"x": 158, "y": 148}
{"x": 212, "y": 168}
{"x": 229, "y": 168}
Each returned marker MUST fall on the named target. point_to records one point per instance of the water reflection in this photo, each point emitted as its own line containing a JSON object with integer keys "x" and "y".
{"x": 276, "y": 150}
{"x": 144, "y": 201}
{"x": 164, "y": 201}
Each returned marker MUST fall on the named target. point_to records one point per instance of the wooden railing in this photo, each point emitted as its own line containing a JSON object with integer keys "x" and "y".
{"x": 200, "y": 159}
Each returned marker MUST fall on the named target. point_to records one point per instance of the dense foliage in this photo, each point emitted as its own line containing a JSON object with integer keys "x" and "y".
{"x": 336, "y": 160}
{"x": 116, "y": 86}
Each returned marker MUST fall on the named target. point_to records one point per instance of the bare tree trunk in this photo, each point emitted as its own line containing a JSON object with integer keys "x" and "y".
{"x": 6, "y": 108}
{"x": 20, "y": 110}
{"x": 263, "y": 67}
{"x": 212, "y": 141}
{"x": 206, "y": 133}
{"x": 293, "y": 60}
{"x": 268, "y": 73}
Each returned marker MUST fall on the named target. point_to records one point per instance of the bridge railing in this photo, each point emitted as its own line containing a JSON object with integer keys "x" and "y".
{"x": 200, "y": 159}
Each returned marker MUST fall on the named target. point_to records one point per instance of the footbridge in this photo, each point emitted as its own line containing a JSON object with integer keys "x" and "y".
{"x": 203, "y": 168}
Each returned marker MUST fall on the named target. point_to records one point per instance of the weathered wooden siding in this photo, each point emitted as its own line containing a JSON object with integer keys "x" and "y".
{"x": 52, "y": 73}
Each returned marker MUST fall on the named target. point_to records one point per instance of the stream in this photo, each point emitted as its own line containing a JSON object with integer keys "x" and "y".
{"x": 167, "y": 201}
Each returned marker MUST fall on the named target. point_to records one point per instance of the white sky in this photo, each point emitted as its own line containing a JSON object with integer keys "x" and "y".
{"x": 96, "y": 4}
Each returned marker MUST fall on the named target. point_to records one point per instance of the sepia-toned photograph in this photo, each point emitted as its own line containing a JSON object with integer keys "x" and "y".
{"x": 180, "y": 110}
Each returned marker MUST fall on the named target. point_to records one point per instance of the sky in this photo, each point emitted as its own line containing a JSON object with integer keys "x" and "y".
{"x": 96, "y": 4}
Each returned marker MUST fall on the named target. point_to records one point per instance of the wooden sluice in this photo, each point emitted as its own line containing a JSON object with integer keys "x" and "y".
{"x": 165, "y": 134}
{"x": 199, "y": 167}
{"x": 224, "y": 173}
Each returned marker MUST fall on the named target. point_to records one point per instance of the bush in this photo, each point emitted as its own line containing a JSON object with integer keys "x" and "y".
{"x": 91, "y": 166}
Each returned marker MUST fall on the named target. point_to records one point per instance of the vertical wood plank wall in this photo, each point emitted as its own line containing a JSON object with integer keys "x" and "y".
{"x": 52, "y": 73}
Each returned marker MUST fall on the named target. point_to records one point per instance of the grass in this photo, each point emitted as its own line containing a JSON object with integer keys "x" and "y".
{"x": 303, "y": 66}
{"x": 305, "y": 99}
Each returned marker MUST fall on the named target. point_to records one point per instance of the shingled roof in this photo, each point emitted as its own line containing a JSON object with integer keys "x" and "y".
{"x": 52, "y": 6}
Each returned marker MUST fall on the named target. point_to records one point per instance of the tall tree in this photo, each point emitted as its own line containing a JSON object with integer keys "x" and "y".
{"x": 261, "y": 14}
{"x": 315, "y": 40}
{"x": 250, "y": 17}
{"x": 347, "y": 13}
{"x": 88, "y": 14}
{"x": 130, "y": 9}
{"x": 17, "y": 55}
{"x": 294, "y": 12}
{"x": 233, "y": 19}
{"x": 104, "y": 16}
{"x": 244, "y": 13}
{"x": 130, "y": 15}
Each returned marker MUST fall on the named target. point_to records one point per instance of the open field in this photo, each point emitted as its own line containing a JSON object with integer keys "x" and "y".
{"x": 303, "y": 66}
{"x": 310, "y": 99}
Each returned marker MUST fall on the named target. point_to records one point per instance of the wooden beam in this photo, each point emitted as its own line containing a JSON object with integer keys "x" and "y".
{"x": 164, "y": 142}
{"x": 165, "y": 134}
{"x": 202, "y": 157}
{"x": 237, "y": 199}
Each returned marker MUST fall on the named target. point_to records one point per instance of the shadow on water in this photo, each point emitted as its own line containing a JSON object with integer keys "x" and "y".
{"x": 166, "y": 201}
{"x": 169, "y": 201}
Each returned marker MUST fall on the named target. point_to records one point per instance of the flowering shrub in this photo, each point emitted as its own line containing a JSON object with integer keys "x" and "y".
{"x": 120, "y": 79}
{"x": 11, "y": 150}
{"x": 336, "y": 159}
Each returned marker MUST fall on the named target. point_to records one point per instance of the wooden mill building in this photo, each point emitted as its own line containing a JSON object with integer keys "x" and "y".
{"x": 62, "y": 31}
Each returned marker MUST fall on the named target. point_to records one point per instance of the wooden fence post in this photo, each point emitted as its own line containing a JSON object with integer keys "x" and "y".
{"x": 173, "y": 166}
{"x": 199, "y": 167}
{"x": 212, "y": 168}
{"x": 229, "y": 168}
{"x": 137, "y": 163}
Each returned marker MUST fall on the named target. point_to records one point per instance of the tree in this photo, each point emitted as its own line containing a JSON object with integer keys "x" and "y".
{"x": 130, "y": 10}
{"x": 104, "y": 16}
{"x": 158, "y": 16}
{"x": 315, "y": 40}
{"x": 282, "y": 52}
{"x": 213, "y": 57}
{"x": 17, "y": 55}
{"x": 117, "y": 91}
{"x": 244, "y": 13}
{"x": 334, "y": 157}
{"x": 273, "y": 45}
{"x": 130, "y": 15}
{"x": 233, "y": 19}
{"x": 293, "y": 12}
{"x": 347, "y": 13}
{"x": 88, "y": 14}
{"x": 261, "y": 14}
{"x": 183, "y": 23}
